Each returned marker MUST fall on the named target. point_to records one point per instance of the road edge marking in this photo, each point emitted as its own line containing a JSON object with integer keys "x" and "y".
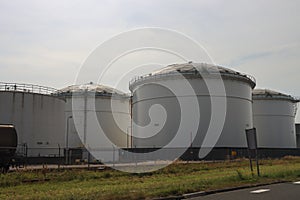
{"x": 259, "y": 191}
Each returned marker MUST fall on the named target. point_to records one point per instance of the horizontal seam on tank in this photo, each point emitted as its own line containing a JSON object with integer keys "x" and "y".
{"x": 274, "y": 99}
{"x": 231, "y": 97}
{"x": 273, "y": 115}
{"x": 100, "y": 111}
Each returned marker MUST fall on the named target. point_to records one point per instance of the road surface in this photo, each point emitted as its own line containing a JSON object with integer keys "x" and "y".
{"x": 283, "y": 191}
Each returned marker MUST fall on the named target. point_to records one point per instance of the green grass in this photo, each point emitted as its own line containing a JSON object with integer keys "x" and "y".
{"x": 176, "y": 179}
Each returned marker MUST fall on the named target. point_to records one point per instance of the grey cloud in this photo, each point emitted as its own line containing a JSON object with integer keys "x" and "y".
{"x": 42, "y": 41}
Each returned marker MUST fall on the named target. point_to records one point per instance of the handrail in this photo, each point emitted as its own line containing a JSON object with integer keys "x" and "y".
{"x": 27, "y": 88}
{"x": 276, "y": 96}
{"x": 148, "y": 76}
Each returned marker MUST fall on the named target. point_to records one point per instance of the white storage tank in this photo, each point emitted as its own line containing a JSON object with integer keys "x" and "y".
{"x": 38, "y": 116}
{"x": 115, "y": 122}
{"x": 274, "y": 118}
{"x": 148, "y": 91}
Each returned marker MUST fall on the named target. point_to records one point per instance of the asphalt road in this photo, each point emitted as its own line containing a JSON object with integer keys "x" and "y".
{"x": 284, "y": 191}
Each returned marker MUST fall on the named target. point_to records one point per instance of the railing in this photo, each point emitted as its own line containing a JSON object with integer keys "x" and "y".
{"x": 276, "y": 96}
{"x": 28, "y": 88}
{"x": 154, "y": 76}
{"x": 297, "y": 98}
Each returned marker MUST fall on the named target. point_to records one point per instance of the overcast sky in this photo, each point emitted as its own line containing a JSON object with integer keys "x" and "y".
{"x": 45, "y": 42}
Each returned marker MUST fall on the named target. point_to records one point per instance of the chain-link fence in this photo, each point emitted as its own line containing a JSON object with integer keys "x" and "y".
{"x": 114, "y": 156}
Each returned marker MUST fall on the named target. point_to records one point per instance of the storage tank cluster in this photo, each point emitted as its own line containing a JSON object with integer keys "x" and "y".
{"x": 44, "y": 117}
{"x": 271, "y": 113}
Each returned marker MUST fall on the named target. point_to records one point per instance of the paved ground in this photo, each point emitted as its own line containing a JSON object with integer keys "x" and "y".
{"x": 284, "y": 191}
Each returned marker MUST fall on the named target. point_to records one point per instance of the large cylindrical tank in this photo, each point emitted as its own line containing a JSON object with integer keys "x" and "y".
{"x": 115, "y": 121}
{"x": 37, "y": 115}
{"x": 149, "y": 90}
{"x": 274, "y": 118}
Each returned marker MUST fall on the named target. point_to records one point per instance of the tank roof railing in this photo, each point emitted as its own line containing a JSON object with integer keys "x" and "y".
{"x": 70, "y": 94}
{"x": 297, "y": 98}
{"x": 277, "y": 96}
{"x": 148, "y": 76}
{"x": 27, "y": 88}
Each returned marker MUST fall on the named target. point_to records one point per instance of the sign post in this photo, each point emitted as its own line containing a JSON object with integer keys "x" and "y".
{"x": 252, "y": 146}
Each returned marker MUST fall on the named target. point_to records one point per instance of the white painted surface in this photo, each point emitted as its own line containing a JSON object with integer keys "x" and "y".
{"x": 260, "y": 191}
{"x": 238, "y": 114}
{"x": 113, "y": 115}
{"x": 274, "y": 120}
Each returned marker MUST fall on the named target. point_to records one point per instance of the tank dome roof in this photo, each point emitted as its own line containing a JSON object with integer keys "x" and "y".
{"x": 193, "y": 67}
{"x": 196, "y": 69}
{"x": 92, "y": 88}
{"x": 271, "y": 94}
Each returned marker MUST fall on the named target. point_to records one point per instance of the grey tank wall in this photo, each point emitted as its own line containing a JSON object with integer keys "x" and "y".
{"x": 73, "y": 137}
{"x": 275, "y": 123}
{"x": 114, "y": 122}
{"x": 38, "y": 119}
{"x": 238, "y": 115}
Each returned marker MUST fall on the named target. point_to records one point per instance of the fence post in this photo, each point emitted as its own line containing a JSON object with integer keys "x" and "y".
{"x": 70, "y": 157}
{"x": 26, "y": 154}
{"x": 66, "y": 155}
{"x": 88, "y": 159}
{"x": 58, "y": 166}
{"x": 135, "y": 159}
{"x": 113, "y": 156}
